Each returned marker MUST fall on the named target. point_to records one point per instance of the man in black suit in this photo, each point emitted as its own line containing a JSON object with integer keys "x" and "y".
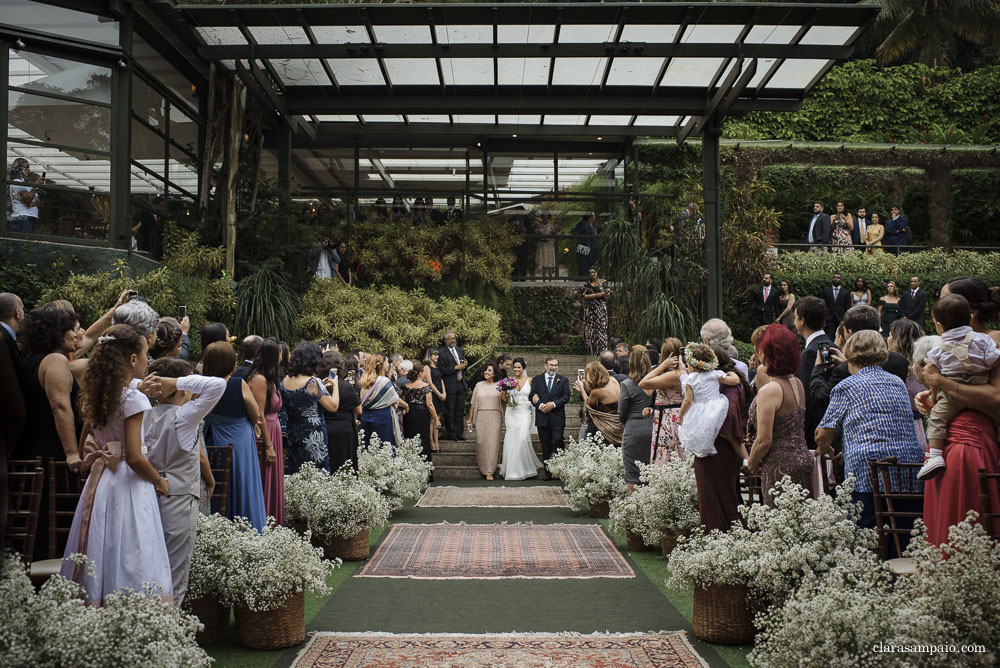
{"x": 810, "y": 316}
{"x": 861, "y": 223}
{"x": 12, "y": 409}
{"x": 838, "y": 300}
{"x": 914, "y": 302}
{"x": 451, "y": 361}
{"x": 610, "y": 364}
{"x": 549, "y": 396}
{"x": 251, "y": 347}
{"x": 819, "y": 228}
{"x": 764, "y": 302}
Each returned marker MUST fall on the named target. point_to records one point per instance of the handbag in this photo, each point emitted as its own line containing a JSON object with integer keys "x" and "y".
{"x": 583, "y": 249}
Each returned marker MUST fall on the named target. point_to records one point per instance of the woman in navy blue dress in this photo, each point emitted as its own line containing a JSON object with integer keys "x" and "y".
{"x": 302, "y": 394}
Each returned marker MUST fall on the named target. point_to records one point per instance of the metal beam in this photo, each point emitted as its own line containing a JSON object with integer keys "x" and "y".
{"x": 383, "y": 172}
{"x": 587, "y": 132}
{"x": 712, "y": 176}
{"x": 731, "y": 88}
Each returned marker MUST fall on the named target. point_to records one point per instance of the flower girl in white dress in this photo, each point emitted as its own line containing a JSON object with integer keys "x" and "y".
{"x": 704, "y": 408}
{"x": 117, "y": 521}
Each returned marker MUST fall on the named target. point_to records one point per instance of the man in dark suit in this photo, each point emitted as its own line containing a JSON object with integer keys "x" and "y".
{"x": 451, "y": 361}
{"x": 913, "y": 303}
{"x": 764, "y": 302}
{"x": 861, "y": 223}
{"x": 549, "y": 396}
{"x": 819, "y": 228}
{"x": 810, "y": 316}
{"x": 251, "y": 347}
{"x": 896, "y": 229}
{"x": 12, "y": 409}
{"x": 610, "y": 364}
{"x": 838, "y": 300}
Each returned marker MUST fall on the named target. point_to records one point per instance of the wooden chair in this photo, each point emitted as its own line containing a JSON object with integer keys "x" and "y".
{"x": 989, "y": 485}
{"x": 220, "y": 457}
{"x": 889, "y": 518}
{"x": 751, "y": 487}
{"x": 65, "y": 488}
{"x": 832, "y": 472}
{"x": 25, "y": 480}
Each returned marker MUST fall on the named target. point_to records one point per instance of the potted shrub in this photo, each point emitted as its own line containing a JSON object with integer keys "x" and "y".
{"x": 663, "y": 507}
{"x": 339, "y": 510}
{"x": 207, "y": 583}
{"x": 400, "y": 475}
{"x": 592, "y": 473}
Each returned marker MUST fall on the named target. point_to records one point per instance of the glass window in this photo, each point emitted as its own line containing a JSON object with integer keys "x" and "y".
{"x": 565, "y": 119}
{"x": 47, "y": 74}
{"x": 712, "y": 34}
{"x": 148, "y": 148}
{"x": 762, "y": 34}
{"x": 341, "y": 34}
{"x": 694, "y": 72}
{"x": 183, "y": 169}
{"x": 464, "y": 34}
{"x": 610, "y": 120}
{"x": 796, "y": 73}
{"x": 356, "y": 71}
{"x": 403, "y": 34}
{"x": 522, "y": 119}
{"x": 60, "y": 21}
{"x": 523, "y": 71}
{"x": 279, "y": 35}
{"x": 300, "y": 71}
{"x": 467, "y": 71}
{"x": 655, "y": 34}
{"x": 163, "y": 72}
{"x": 587, "y": 33}
{"x": 820, "y": 35}
{"x": 148, "y": 104}
{"x": 222, "y": 35}
{"x": 428, "y": 118}
{"x": 533, "y": 34}
{"x": 183, "y": 130}
{"x": 489, "y": 119}
{"x": 382, "y": 118}
{"x": 412, "y": 71}
{"x": 61, "y": 122}
{"x": 634, "y": 71}
{"x": 71, "y": 169}
{"x": 579, "y": 71}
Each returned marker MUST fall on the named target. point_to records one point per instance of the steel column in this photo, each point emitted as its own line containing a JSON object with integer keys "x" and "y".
{"x": 713, "y": 217}
{"x": 4, "y": 81}
{"x": 284, "y": 156}
{"x": 119, "y": 229}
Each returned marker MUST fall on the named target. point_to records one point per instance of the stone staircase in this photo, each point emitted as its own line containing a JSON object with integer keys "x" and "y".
{"x": 457, "y": 459}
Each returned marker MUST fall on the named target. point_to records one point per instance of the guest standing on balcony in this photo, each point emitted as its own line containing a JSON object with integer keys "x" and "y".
{"x": 595, "y": 313}
{"x": 545, "y": 251}
{"x": 585, "y": 236}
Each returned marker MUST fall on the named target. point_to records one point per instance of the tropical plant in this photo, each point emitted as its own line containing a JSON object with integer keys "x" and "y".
{"x": 337, "y": 504}
{"x": 399, "y": 473}
{"x": 666, "y": 501}
{"x": 266, "y": 304}
{"x": 928, "y": 31}
{"x": 591, "y": 470}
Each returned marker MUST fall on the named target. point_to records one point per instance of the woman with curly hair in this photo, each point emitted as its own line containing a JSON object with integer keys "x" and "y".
{"x": 302, "y": 392}
{"x": 117, "y": 521}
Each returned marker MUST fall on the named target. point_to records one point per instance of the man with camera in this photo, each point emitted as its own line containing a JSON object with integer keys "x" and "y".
{"x": 810, "y": 317}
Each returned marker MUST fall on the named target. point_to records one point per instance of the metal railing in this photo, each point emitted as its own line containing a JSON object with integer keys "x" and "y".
{"x": 531, "y": 258}
{"x": 887, "y": 248}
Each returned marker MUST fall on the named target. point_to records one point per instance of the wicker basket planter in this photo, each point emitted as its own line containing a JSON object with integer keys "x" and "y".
{"x": 298, "y": 527}
{"x": 355, "y": 548}
{"x": 600, "y": 509}
{"x": 722, "y": 616}
{"x": 273, "y": 629}
{"x": 213, "y": 615}
{"x": 668, "y": 542}
{"x": 636, "y": 543}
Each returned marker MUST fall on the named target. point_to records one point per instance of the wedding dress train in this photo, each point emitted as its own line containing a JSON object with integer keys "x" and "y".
{"x": 519, "y": 460}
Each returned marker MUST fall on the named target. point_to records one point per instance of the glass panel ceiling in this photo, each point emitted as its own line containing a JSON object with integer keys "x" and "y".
{"x": 412, "y": 71}
{"x": 356, "y": 72}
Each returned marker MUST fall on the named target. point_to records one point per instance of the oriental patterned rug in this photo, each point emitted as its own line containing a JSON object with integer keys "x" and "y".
{"x": 497, "y": 551}
{"x": 552, "y": 650}
{"x": 540, "y": 496}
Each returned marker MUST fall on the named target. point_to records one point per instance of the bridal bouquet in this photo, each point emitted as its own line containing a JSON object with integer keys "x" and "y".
{"x": 510, "y": 386}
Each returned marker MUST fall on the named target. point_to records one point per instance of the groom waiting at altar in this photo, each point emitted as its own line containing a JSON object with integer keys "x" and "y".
{"x": 549, "y": 396}
{"x": 451, "y": 361}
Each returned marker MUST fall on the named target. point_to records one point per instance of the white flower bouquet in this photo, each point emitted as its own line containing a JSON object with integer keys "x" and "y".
{"x": 399, "y": 477}
{"x": 53, "y": 627}
{"x": 337, "y": 504}
{"x": 665, "y": 502}
{"x": 591, "y": 471}
{"x": 216, "y": 542}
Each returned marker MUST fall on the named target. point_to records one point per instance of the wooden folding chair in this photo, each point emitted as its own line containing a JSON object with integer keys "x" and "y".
{"x": 25, "y": 480}
{"x": 751, "y": 487}
{"x": 989, "y": 485}
{"x": 891, "y": 522}
{"x": 65, "y": 488}
{"x": 220, "y": 458}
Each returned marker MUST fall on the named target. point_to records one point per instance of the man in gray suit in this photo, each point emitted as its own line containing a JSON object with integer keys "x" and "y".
{"x": 819, "y": 229}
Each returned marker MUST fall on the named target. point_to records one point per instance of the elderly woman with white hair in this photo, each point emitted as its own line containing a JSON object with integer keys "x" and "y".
{"x": 715, "y": 332}
{"x": 140, "y": 316}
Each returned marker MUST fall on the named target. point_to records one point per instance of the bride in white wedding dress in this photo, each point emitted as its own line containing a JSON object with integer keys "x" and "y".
{"x": 519, "y": 460}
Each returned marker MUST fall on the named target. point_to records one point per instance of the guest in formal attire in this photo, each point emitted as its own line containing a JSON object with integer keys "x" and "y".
{"x": 420, "y": 413}
{"x": 665, "y": 380}
{"x": 486, "y": 418}
{"x": 984, "y": 302}
{"x": 786, "y": 307}
{"x": 432, "y": 376}
{"x": 148, "y": 230}
{"x": 398, "y": 213}
{"x": 585, "y": 235}
{"x": 452, "y": 362}
{"x": 636, "y": 416}
{"x": 379, "y": 401}
{"x": 600, "y": 393}
{"x": 342, "y": 263}
{"x": 545, "y": 250}
{"x": 870, "y": 410}
{"x": 342, "y": 424}
{"x": 718, "y": 476}
{"x": 117, "y": 520}
{"x": 777, "y": 416}
{"x": 595, "y": 312}
{"x": 841, "y": 225}
{"x": 51, "y": 430}
{"x": 265, "y": 384}
{"x": 454, "y": 213}
{"x": 12, "y": 409}
{"x": 914, "y": 302}
{"x": 610, "y": 363}
{"x": 764, "y": 303}
{"x": 903, "y": 339}
{"x": 251, "y": 347}
{"x": 171, "y": 430}
{"x": 861, "y": 223}
{"x": 838, "y": 300}
{"x": 874, "y": 235}
{"x": 810, "y": 316}
{"x": 818, "y": 236}
{"x": 715, "y": 332}
{"x": 897, "y": 229}
{"x": 170, "y": 339}
{"x": 379, "y": 212}
{"x": 888, "y": 307}
{"x": 233, "y": 421}
{"x": 860, "y": 294}
{"x": 549, "y": 395}
{"x": 302, "y": 395}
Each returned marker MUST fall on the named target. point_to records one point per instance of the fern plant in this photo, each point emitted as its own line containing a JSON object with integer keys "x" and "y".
{"x": 266, "y": 305}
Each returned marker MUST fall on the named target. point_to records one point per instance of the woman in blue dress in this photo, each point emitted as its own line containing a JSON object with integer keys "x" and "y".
{"x": 378, "y": 402}
{"x": 302, "y": 393}
{"x": 232, "y": 422}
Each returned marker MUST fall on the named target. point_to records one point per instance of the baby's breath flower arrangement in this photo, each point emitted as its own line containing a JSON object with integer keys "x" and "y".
{"x": 591, "y": 471}
{"x": 337, "y": 504}
{"x": 665, "y": 502}
{"x": 216, "y": 543}
{"x": 53, "y": 627}
{"x": 399, "y": 477}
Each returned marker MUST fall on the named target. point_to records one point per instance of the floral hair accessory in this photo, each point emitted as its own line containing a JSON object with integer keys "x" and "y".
{"x": 689, "y": 357}
{"x": 106, "y": 338}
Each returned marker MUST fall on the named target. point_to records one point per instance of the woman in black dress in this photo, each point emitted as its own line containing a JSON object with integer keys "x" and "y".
{"x": 432, "y": 376}
{"x": 417, "y": 419}
{"x": 342, "y": 424}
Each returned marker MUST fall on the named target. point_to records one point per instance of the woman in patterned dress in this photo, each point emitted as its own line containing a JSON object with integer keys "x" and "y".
{"x": 302, "y": 393}
{"x": 841, "y": 224}
{"x": 595, "y": 313}
{"x": 665, "y": 378}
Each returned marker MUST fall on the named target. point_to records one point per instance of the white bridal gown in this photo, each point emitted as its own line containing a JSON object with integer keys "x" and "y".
{"x": 519, "y": 460}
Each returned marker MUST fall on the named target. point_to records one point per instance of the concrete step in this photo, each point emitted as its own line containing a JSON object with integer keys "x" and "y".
{"x": 568, "y": 364}
{"x": 456, "y": 473}
{"x": 464, "y": 458}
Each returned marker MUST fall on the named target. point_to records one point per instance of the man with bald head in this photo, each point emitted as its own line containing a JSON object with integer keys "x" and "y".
{"x": 251, "y": 346}
{"x": 12, "y": 411}
{"x": 451, "y": 361}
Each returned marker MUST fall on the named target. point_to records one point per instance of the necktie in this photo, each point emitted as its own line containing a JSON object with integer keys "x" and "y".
{"x": 550, "y": 383}
{"x": 913, "y": 293}
{"x": 836, "y": 293}
{"x": 767, "y": 291}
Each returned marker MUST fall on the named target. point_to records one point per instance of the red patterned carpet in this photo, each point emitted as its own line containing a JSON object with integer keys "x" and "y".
{"x": 493, "y": 497}
{"x": 497, "y": 551}
{"x": 555, "y": 650}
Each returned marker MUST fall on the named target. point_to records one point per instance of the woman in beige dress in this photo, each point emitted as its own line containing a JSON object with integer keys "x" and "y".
{"x": 486, "y": 416}
{"x": 545, "y": 250}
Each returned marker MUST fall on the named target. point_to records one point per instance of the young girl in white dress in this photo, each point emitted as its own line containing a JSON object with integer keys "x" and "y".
{"x": 117, "y": 521}
{"x": 704, "y": 408}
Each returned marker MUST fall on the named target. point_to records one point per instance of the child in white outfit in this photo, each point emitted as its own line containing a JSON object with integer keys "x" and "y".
{"x": 966, "y": 357}
{"x": 704, "y": 408}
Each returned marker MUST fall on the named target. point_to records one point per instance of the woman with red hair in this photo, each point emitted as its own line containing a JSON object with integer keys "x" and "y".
{"x": 777, "y": 414}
